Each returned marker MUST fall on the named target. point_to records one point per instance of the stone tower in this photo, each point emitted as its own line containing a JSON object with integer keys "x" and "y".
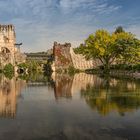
{"x": 62, "y": 57}
{"x": 7, "y": 36}
{"x": 8, "y": 49}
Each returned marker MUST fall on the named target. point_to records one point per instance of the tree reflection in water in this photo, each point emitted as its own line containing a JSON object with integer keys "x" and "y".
{"x": 105, "y": 95}
{"x": 118, "y": 95}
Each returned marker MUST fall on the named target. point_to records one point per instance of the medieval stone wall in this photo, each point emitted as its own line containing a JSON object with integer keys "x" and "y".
{"x": 9, "y": 53}
{"x": 64, "y": 57}
{"x": 80, "y": 62}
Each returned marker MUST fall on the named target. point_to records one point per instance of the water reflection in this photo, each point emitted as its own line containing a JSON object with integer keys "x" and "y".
{"x": 105, "y": 95}
{"x": 9, "y": 92}
{"x": 63, "y": 86}
{"x": 69, "y": 107}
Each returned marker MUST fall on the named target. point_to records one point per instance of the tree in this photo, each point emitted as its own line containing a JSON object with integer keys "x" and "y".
{"x": 108, "y": 47}
{"x": 119, "y": 29}
{"x": 131, "y": 55}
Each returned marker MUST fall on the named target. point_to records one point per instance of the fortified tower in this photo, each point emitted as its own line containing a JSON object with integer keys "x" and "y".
{"x": 8, "y": 46}
{"x": 7, "y": 37}
{"x": 62, "y": 57}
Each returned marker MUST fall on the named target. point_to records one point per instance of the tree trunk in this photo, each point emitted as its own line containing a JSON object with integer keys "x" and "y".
{"x": 107, "y": 67}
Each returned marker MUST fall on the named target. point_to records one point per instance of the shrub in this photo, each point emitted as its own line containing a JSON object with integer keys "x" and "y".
{"x": 8, "y": 70}
{"x": 72, "y": 70}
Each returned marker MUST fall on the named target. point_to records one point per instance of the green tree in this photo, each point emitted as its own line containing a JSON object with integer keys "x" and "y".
{"x": 109, "y": 47}
{"x": 119, "y": 29}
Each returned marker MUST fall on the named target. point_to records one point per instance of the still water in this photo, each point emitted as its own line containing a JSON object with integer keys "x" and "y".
{"x": 79, "y": 107}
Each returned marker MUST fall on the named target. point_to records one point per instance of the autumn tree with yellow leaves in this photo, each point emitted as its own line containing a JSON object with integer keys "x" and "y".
{"x": 110, "y": 48}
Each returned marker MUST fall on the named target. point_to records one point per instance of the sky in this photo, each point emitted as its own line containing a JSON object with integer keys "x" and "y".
{"x": 39, "y": 23}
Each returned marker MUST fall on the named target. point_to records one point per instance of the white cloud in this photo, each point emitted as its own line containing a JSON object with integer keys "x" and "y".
{"x": 41, "y": 22}
{"x": 95, "y": 6}
{"x": 135, "y": 29}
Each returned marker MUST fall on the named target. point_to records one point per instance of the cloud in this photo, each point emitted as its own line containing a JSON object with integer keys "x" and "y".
{"x": 41, "y": 22}
{"x": 134, "y": 29}
{"x": 90, "y": 6}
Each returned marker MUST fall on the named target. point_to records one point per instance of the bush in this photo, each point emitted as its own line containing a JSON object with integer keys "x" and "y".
{"x": 33, "y": 66}
{"x": 136, "y": 67}
{"x": 72, "y": 70}
{"x": 8, "y": 70}
{"x": 126, "y": 67}
{"x": 23, "y": 66}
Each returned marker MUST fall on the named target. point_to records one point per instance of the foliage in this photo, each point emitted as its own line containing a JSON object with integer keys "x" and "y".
{"x": 79, "y": 49}
{"x": 47, "y": 68}
{"x": 33, "y": 66}
{"x": 23, "y": 66}
{"x": 133, "y": 68}
{"x": 109, "y": 48}
{"x": 72, "y": 70}
{"x": 131, "y": 55}
{"x": 8, "y": 70}
{"x": 119, "y": 29}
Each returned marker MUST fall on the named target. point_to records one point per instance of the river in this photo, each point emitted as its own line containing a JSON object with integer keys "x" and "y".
{"x": 69, "y": 107}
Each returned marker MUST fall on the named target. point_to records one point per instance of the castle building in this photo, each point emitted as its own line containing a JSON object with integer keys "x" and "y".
{"x": 9, "y": 49}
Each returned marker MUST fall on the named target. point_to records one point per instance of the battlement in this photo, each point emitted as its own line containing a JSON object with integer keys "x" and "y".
{"x": 64, "y": 57}
{"x": 7, "y": 35}
{"x": 6, "y": 28}
{"x": 9, "y": 49}
{"x": 58, "y": 45}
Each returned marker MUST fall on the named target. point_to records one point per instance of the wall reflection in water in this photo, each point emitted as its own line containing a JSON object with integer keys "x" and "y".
{"x": 105, "y": 95}
{"x": 63, "y": 85}
{"x": 9, "y": 92}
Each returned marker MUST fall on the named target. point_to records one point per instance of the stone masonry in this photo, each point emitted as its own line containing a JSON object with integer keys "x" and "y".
{"x": 9, "y": 50}
{"x": 64, "y": 57}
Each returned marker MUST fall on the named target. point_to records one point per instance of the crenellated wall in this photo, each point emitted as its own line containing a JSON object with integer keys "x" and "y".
{"x": 64, "y": 57}
{"x": 9, "y": 50}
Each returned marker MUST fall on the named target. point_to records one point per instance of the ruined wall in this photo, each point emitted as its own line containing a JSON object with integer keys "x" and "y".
{"x": 7, "y": 37}
{"x": 79, "y": 61}
{"x": 62, "y": 57}
{"x": 9, "y": 53}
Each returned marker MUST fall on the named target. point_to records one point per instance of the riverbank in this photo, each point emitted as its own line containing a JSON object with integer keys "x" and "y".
{"x": 117, "y": 73}
{"x": 125, "y": 74}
